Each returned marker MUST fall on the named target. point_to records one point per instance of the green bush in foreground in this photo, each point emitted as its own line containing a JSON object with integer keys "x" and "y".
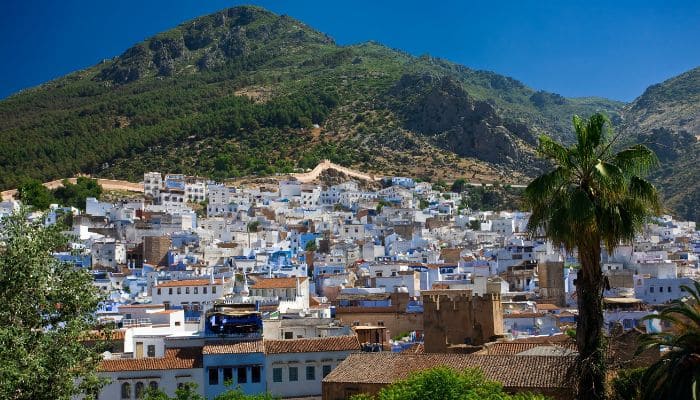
{"x": 444, "y": 383}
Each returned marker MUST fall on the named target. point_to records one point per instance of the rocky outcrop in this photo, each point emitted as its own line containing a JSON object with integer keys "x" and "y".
{"x": 440, "y": 108}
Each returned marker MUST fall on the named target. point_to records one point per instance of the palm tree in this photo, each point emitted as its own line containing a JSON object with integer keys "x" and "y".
{"x": 593, "y": 197}
{"x": 676, "y": 375}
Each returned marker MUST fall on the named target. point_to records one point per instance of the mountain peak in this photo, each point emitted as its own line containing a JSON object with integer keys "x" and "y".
{"x": 243, "y": 35}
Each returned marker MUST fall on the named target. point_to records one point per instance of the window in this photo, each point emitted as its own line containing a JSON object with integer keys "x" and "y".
{"x": 256, "y": 373}
{"x": 196, "y": 290}
{"x": 158, "y": 291}
{"x": 213, "y": 376}
{"x": 187, "y": 290}
{"x": 153, "y": 385}
{"x": 213, "y": 289}
{"x": 293, "y": 374}
{"x": 661, "y": 289}
{"x": 170, "y": 291}
{"x": 139, "y": 390}
{"x": 151, "y": 350}
{"x": 276, "y": 374}
{"x": 669, "y": 289}
{"x": 380, "y": 323}
{"x": 289, "y": 335}
{"x": 242, "y": 374}
{"x": 204, "y": 290}
{"x": 651, "y": 289}
{"x": 228, "y": 374}
{"x": 179, "y": 290}
{"x": 310, "y": 373}
{"x": 326, "y": 370}
{"x": 126, "y": 390}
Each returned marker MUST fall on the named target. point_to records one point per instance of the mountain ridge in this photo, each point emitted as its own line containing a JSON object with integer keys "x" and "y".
{"x": 240, "y": 91}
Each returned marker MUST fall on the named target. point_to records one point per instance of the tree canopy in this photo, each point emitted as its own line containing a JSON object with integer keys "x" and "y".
{"x": 33, "y": 193}
{"x": 46, "y": 308}
{"x": 444, "y": 383}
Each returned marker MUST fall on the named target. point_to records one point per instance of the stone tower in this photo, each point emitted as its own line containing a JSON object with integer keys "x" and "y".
{"x": 457, "y": 317}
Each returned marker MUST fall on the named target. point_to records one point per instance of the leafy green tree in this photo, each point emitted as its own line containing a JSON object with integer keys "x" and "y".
{"x": 627, "y": 385}
{"x": 33, "y": 193}
{"x": 444, "y": 383}
{"x": 46, "y": 308}
{"x": 459, "y": 185}
{"x": 592, "y": 196}
{"x": 677, "y": 374}
{"x": 252, "y": 226}
{"x": 74, "y": 195}
{"x": 311, "y": 246}
{"x": 475, "y": 225}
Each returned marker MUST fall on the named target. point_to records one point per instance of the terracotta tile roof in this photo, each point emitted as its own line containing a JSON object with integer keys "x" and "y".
{"x": 513, "y": 348}
{"x": 277, "y": 283}
{"x": 529, "y": 372}
{"x": 416, "y": 348}
{"x": 450, "y": 256}
{"x": 189, "y": 282}
{"x": 554, "y": 339}
{"x": 180, "y": 358}
{"x": 331, "y": 343}
{"x": 255, "y": 346}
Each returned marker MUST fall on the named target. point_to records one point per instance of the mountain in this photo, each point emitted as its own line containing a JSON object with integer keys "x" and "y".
{"x": 246, "y": 92}
{"x": 666, "y": 117}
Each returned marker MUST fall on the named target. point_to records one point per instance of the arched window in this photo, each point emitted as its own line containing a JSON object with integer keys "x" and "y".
{"x": 139, "y": 390}
{"x": 153, "y": 385}
{"x": 126, "y": 390}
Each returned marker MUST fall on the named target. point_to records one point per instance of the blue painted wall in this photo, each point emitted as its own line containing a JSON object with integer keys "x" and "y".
{"x": 221, "y": 361}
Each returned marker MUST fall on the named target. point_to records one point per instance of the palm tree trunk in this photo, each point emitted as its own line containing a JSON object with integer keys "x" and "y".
{"x": 589, "y": 328}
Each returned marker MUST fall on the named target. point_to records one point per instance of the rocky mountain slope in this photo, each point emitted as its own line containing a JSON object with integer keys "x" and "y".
{"x": 246, "y": 92}
{"x": 666, "y": 117}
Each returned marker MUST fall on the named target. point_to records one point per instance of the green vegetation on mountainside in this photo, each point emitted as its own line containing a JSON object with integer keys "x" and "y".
{"x": 240, "y": 92}
{"x": 667, "y": 119}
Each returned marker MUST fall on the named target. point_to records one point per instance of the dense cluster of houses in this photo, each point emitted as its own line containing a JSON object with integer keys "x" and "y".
{"x": 296, "y": 288}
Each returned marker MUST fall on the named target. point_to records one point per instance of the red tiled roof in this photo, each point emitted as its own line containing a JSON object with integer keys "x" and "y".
{"x": 451, "y": 255}
{"x": 554, "y": 339}
{"x": 416, "y": 348}
{"x": 277, "y": 283}
{"x": 547, "y": 307}
{"x": 311, "y": 345}
{"x": 179, "y": 358}
{"x": 189, "y": 282}
{"x": 234, "y": 348}
{"x": 530, "y": 372}
{"x": 513, "y": 348}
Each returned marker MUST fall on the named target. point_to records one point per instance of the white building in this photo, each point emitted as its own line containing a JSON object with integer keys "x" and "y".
{"x": 295, "y": 368}
{"x": 193, "y": 294}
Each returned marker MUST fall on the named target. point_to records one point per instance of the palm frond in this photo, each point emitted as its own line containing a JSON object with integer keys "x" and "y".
{"x": 554, "y": 151}
{"x": 635, "y": 160}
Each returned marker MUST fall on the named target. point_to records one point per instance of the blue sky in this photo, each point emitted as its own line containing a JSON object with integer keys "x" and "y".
{"x": 613, "y": 49}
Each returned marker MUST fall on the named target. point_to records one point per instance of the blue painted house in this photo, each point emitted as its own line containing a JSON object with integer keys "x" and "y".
{"x": 229, "y": 365}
